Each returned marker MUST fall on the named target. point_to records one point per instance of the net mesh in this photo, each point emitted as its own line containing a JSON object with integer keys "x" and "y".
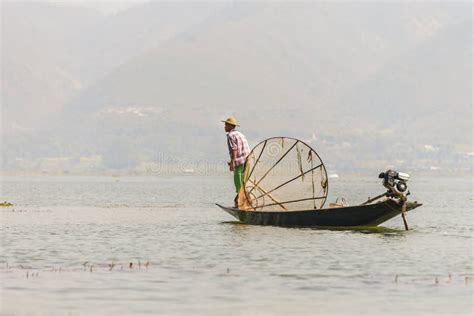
{"x": 283, "y": 174}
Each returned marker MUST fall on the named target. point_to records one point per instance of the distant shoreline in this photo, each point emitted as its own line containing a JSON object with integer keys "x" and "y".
{"x": 127, "y": 173}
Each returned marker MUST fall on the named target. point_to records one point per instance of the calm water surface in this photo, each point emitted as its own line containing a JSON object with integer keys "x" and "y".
{"x": 67, "y": 245}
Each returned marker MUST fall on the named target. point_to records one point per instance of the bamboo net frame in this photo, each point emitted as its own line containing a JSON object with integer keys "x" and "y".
{"x": 283, "y": 174}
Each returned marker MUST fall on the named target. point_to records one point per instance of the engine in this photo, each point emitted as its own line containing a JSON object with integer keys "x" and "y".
{"x": 395, "y": 182}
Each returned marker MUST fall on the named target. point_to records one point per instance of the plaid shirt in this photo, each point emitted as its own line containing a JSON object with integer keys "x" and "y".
{"x": 237, "y": 141}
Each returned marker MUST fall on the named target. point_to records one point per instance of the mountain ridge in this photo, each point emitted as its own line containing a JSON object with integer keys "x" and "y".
{"x": 314, "y": 71}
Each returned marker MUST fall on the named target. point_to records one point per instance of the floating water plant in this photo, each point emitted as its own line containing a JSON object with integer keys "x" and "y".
{"x": 5, "y": 203}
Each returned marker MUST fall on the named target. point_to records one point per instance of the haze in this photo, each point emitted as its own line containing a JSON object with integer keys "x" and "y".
{"x": 91, "y": 88}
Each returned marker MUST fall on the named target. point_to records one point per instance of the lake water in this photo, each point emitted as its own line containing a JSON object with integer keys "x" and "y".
{"x": 67, "y": 245}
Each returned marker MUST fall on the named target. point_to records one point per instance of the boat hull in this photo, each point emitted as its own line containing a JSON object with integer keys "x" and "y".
{"x": 351, "y": 216}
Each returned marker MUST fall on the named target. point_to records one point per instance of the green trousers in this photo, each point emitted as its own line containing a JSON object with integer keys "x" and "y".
{"x": 238, "y": 177}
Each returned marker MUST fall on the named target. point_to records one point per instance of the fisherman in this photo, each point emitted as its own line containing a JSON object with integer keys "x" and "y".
{"x": 238, "y": 151}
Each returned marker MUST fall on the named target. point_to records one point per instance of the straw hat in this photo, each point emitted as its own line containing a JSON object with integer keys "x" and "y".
{"x": 231, "y": 120}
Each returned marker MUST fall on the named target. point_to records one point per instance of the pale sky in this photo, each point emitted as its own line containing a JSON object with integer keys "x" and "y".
{"x": 104, "y": 6}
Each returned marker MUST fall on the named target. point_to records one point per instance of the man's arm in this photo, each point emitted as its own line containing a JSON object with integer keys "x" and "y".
{"x": 232, "y": 159}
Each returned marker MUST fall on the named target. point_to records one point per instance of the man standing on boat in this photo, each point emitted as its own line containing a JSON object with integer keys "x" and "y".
{"x": 238, "y": 151}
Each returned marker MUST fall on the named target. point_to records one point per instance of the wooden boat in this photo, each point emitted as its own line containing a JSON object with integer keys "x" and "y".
{"x": 285, "y": 183}
{"x": 351, "y": 216}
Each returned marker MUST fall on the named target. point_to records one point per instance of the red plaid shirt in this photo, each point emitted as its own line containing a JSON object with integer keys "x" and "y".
{"x": 237, "y": 141}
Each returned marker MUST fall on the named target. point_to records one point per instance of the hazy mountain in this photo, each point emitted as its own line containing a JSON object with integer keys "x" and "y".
{"x": 294, "y": 70}
{"x": 423, "y": 90}
{"x": 364, "y": 83}
{"x": 51, "y": 51}
{"x": 37, "y": 67}
{"x": 118, "y": 38}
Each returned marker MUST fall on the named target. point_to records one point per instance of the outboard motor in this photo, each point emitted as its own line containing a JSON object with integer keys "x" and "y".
{"x": 395, "y": 182}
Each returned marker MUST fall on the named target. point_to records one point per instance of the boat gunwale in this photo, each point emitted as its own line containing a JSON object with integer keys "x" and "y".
{"x": 413, "y": 205}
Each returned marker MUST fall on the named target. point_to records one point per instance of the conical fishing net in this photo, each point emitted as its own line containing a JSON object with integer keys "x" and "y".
{"x": 283, "y": 174}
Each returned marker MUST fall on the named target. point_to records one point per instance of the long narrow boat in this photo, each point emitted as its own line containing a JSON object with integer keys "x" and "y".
{"x": 285, "y": 183}
{"x": 351, "y": 216}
